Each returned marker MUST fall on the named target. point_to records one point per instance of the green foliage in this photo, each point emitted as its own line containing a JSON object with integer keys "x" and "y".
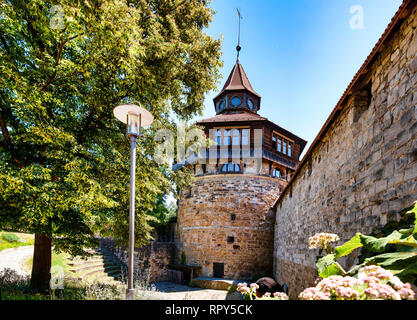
{"x": 64, "y": 158}
{"x": 349, "y": 246}
{"x": 10, "y": 237}
{"x": 396, "y": 252}
{"x": 326, "y": 265}
{"x": 163, "y": 212}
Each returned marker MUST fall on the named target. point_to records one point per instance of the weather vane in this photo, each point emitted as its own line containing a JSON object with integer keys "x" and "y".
{"x": 238, "y": 48}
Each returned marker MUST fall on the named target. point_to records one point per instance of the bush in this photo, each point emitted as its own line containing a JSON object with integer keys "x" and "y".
{"x": 14, "y": 286}
{"x": 249, "y": 293}
{"x": 387, "y": 272}
{"x": 396, "y": 252}
{"x": 10, "y": 237}
{"x": 372, "y": 283}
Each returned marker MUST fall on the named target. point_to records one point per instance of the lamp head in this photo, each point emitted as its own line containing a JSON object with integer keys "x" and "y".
{"x": 134, "y": 116}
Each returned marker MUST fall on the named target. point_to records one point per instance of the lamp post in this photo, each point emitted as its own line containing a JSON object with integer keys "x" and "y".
{"x": 135, "y": 117}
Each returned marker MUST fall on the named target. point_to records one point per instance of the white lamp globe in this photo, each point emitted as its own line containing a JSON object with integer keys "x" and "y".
{"x": 134, "y": 116}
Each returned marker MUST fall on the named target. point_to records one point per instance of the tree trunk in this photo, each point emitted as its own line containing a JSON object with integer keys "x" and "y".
{"x": 41, "y": 268}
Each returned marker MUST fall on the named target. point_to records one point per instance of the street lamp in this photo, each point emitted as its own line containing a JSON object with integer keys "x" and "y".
{"x": 135, "y": 117}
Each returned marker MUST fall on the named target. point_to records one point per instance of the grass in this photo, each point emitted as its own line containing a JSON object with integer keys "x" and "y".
{"x": 57, "y": 259}
{"x": 24, "y": 240}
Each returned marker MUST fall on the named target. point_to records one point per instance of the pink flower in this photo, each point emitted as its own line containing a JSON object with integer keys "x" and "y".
{"x": 254, "y": 286}
{"x": 322, "y": 240}
{"x": 243, "y": 288}
{"x": 408, "y": 292}
{"x": 313, "y": 294}
{"x": 331, "y": 283}
{"x": 280, "y": 296}
{"x": 345, "y": 293}
{"x": 379, "y": 291}
{"x": 375, "y": 271}
{"x": 371, "y": 279}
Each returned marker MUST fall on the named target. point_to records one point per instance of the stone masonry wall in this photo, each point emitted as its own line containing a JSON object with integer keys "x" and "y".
{"x": 362, "y": 173}
{"x": 204, "y": 223}
{"x": 151, "y": 261}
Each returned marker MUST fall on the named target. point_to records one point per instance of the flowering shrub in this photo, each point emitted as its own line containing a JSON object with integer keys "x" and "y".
{"x": 249, "y": 293}
{"x": 373, "y": 283}
{"x": 322, "y": 241}
{"x": 397, "y": 251}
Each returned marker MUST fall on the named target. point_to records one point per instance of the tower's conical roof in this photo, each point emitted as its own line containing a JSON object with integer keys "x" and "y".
{"x": 238, "y": 80}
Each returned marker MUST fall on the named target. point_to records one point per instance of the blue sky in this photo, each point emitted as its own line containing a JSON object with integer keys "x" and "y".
{"x": 299, "y": 55}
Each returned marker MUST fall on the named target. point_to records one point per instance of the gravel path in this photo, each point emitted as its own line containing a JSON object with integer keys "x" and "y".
{"x": 14, "y": 258}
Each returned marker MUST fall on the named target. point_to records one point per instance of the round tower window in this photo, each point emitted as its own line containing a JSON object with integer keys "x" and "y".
{"x": 230, "y": 167}
{"x": 221, "y": 105}
{"x": 235, "y": 101}
{"x": 250, "y": 104}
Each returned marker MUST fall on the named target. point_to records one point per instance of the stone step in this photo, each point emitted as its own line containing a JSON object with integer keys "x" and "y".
{"x": 87, "y": 262}
{"x": 102, "y": 266}
{"x": 215, "y": 283}
{"x": 106, "y": 270}
{"x": 81, "y": 259}
{"x": 113, "y": 276}
{"x": 97, "y": 258}
{"x": 99, "y": 264}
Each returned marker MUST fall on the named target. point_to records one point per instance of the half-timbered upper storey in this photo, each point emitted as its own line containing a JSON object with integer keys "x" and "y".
{"x": 237, "y": 123}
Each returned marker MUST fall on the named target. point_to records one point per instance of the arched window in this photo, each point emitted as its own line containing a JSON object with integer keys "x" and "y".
{"x": 221, "y": 105}
{"x": 230, "y": 167}
{"x": 250, "y": 104}
{"x": 276, "y": 173}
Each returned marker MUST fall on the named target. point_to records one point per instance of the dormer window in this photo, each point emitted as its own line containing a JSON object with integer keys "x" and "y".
{"x": 235, "y": 102}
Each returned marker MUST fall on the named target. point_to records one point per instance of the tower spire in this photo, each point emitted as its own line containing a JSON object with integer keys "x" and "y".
{"x": 238, "y": 48}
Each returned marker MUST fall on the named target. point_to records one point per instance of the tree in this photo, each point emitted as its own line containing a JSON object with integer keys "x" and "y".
{"x": 64, "y": 159}
{"x": 163, "y": 212}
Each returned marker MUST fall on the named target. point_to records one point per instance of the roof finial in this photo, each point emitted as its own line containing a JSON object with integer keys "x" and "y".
{"x": 238, "y": 48}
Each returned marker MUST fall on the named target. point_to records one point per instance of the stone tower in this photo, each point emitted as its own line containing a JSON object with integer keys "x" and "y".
{"x": 225, "y": 224}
